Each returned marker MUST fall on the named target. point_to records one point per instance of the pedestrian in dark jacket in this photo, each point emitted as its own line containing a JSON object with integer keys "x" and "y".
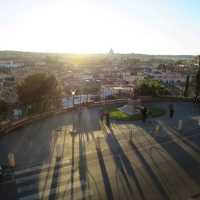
{"x": 144, "y": 114}
{"x": 108, "y": 120}
{"x": 171, "y": 111}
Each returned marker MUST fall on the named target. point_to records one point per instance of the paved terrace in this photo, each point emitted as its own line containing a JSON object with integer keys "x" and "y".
{"x": 150, "y": 165}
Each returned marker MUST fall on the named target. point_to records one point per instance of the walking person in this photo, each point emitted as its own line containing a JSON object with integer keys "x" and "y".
{"x": 171, "y": 111}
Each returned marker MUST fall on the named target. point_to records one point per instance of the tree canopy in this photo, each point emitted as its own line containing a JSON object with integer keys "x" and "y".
{"x": 197, "y": 84}
{"x": 152, "y": 88}
{"x": 37, "y": 88}
{"x": 3, "y": 107}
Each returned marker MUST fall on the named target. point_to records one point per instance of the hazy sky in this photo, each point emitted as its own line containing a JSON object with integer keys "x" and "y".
{"x": 91, "y": 26}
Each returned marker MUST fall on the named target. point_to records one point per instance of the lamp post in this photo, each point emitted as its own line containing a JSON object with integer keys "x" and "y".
{"x": 73, "y": 94}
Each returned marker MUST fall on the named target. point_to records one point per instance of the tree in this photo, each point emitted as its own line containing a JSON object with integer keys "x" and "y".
{"x": 89, "y": 88}
{"x": 3, "y": 107}
{"x": 187, "y": 83}
{"x": 38, "y": 91}
{"x": 152, "y": 88}
{"x": 197, "y": 85}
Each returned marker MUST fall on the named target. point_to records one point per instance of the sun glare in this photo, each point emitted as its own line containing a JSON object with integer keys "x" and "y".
{"x": 72, "y": 26}
{"x": 95, "y": 26}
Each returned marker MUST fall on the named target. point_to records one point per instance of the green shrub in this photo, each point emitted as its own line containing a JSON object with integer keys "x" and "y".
{"x": 118, "y": 115}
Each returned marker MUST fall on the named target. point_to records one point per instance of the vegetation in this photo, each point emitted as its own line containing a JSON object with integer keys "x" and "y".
{"x": 197, "y": 84}
{"x": 3, "y": 107}
{"x": 89, "y": 88}
{"x": 151, "y": 88}
{"x": 118, "y": 115}
{"x": 38, "y": 92}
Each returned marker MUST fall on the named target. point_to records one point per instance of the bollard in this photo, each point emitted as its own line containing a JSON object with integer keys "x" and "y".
{"x": 180, "y": 124}
{"x": 11, "y": 160}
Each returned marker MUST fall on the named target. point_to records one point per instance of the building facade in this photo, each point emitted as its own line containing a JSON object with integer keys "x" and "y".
{"x": 8, "y": 88}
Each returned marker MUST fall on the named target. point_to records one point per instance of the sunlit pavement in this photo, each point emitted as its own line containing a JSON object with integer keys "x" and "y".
{"x": 125, "y": 161}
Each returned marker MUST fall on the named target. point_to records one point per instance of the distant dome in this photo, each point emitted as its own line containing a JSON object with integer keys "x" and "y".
{"x": 111, "y": 52}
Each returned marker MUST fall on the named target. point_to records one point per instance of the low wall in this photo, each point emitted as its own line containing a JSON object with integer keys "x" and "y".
{"x": 176, "y": 99}
{"x": 165, "y": 98}
{"x": 11, "y": 126}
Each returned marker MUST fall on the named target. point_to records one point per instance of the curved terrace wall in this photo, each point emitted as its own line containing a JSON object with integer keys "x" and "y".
{"x": 11, "y": 126}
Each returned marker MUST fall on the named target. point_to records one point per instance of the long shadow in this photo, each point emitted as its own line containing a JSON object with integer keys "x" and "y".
{"x": 122, "y": 162}
{"x": 119, "y": 163}
{"x": 186, "y": 138}
{"x": 195, "y": 140}
{"x": 86, "y": 127}
{"x": 106, "y": 180}
{"x": 82, "y": 165}
{"x": 189, "y": 134}
{"x": 165, "y": 179}
{"x": 72, "y": 169}
{"x": 54, "y": 180}
{"x": 150, "y": 171}
{"x": 183, "y": 158}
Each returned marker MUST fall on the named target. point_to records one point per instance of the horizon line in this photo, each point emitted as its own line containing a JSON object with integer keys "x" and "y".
{"x": 96, "y": 53}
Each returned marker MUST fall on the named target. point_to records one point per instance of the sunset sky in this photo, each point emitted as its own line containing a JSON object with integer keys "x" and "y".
{"x": 95, "y": 26}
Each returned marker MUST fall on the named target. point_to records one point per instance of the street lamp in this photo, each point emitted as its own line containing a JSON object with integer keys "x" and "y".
{"x": 73, "y": 94}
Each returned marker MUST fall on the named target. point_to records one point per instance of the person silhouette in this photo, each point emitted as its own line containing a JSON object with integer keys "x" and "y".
{"x": 144, "y": 114}
{"x": 171, "y": 111}
{"x": 108, "y": 119}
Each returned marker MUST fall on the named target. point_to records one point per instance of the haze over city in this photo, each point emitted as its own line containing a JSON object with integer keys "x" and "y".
{"x": 77, "y": 26}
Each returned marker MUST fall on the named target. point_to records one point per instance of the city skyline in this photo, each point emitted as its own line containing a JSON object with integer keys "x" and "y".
{"x": 164, "y": 27}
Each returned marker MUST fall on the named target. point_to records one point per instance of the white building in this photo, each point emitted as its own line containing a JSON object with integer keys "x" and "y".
{"x": 8, "y": 88}
{"x": 10, "y": 63}
{"x": 110, "y": 90}
{"x": 169, "y": 77}
{"x": 133, "y": 78}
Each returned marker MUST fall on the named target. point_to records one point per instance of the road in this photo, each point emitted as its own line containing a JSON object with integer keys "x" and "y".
{"x": 107, "y": 163}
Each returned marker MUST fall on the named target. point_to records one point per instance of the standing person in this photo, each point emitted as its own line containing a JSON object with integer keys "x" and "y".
{"x": 171, "y": 110}
{"x": 144, "y": 114}
{"x": 108, "y": 119}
